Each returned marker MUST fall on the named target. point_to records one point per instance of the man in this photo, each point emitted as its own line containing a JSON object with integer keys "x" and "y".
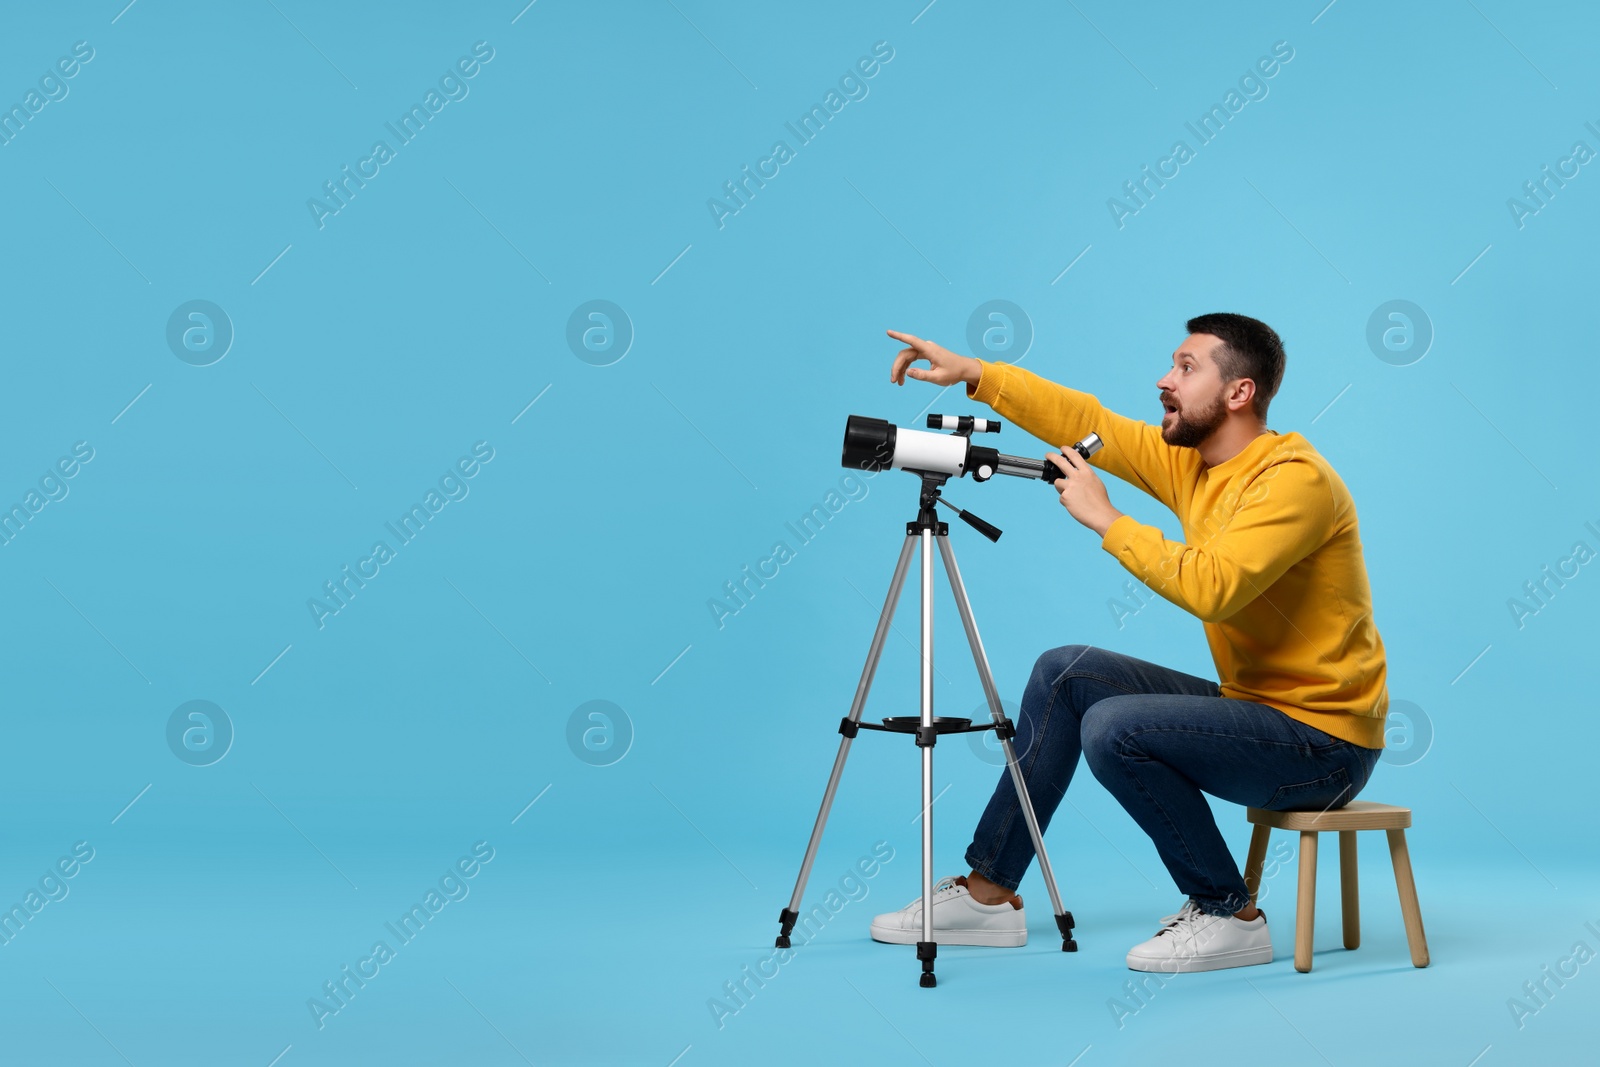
{"x": 1272, "y": 565}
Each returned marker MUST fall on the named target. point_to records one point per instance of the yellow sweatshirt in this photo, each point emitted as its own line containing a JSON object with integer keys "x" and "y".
{"x": 1273, "y": 564}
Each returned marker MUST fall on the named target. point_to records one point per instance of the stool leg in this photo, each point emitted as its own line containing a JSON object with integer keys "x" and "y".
{"x": 1410, "y": 910}
{"x": 1305, "y": 916}
{"x": 1349, "y": 887}
{"x": 1253, "y": 862}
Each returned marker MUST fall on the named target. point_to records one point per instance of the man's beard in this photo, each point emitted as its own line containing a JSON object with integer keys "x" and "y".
{"x": 1189, "y": 428}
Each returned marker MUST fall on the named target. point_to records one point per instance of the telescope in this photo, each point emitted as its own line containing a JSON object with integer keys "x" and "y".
{"x": 874, "y": 445}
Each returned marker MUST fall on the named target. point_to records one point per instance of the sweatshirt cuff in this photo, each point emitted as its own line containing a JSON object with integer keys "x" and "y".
{"x": 987, "y": 391}
{"x": 1119, "y": 533}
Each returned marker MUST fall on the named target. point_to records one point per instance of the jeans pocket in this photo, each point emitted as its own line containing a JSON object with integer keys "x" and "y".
{"x": 1320, "y": 794}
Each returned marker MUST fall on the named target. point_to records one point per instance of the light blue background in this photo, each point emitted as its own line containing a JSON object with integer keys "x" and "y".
{"x": 371, "y": 353}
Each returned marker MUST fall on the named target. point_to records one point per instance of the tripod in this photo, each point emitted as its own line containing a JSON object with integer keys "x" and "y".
{"x": 924, "y": 531}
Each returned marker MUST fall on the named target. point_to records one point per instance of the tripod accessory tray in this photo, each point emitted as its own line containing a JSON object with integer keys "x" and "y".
{"x": 1005, "y": 729}
{"x": 942, "y": 724}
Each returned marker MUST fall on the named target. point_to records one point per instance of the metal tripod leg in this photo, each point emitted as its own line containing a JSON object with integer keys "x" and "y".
{"x": 927, "y": 948}
{"x": 791, "y": 914}
{"x": 991, "y": 694}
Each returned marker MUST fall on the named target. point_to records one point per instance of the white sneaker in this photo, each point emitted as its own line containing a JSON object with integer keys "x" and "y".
{"x": 957, "y": 920}
{"x": 1194, "y": 941}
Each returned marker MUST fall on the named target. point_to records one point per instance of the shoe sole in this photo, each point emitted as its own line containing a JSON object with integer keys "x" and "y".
{"x": 979, "y": 938}
{"x": 1245, "y": 957}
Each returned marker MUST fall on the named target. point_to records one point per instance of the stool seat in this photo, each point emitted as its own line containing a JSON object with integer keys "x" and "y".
{"x": 1346, "y": 821}
{"x": 1356, "y": 815}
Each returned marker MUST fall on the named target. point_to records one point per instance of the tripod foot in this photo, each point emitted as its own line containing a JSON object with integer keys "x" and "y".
{"x": 1064, "y": 924}
{"x": 928, "y": 981}
{"x": 926, "y": 950}
{"x": 786, "y": 919}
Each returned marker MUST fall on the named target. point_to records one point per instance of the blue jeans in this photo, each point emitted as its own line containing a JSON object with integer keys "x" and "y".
{"x": 1156, "y": 738}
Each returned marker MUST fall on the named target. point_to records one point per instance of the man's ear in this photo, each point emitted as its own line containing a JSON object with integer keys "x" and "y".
{"x": 1240, "y": 393}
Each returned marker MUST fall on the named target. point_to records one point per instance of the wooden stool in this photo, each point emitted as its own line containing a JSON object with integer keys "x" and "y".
{"x": 1357, "y": 815}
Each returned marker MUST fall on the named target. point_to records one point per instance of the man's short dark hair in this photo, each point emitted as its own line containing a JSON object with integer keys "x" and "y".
{"x": 1250, "y": 349}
